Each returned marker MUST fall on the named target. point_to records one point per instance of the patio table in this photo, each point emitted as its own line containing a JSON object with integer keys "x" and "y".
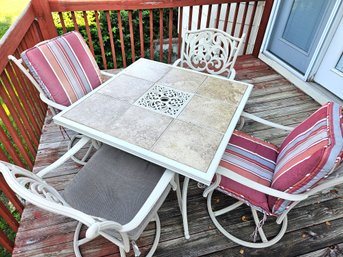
{"x": 177, "y": 118}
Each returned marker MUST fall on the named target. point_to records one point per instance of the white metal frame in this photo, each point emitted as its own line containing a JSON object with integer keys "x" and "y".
{"x": 333, "y": 180}
{"x": 182, "y": 169}
{"x": 216, "y": 50}
{"x": 53, "y": 106}
{"x": 35, "y": 190}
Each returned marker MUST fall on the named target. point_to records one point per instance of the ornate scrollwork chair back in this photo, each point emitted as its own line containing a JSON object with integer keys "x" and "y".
{"x": 210, "y": 50}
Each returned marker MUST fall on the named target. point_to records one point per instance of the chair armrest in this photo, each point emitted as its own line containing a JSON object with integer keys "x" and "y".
{"x": 51, "y": 103}
{"x": 331, "y": 181}
{"x": 83, "y": 141}
{"x": 177, "y": 62}
{"x": 265, "y": 122}
{"x": 107, "y": 74}
{"x": 259, "y": 187}
{"x": 96, "y": 227}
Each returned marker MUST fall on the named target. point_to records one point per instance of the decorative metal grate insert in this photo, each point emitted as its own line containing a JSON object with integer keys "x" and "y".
{"x": 164, "y": 100}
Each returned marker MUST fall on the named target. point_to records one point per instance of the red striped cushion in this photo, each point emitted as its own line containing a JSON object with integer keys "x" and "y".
{"x": 308, "y": 154}
{"x": 64, "y": 68}
{"x": 252, "y": 158}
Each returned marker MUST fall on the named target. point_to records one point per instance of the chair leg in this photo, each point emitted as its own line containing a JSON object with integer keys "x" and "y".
{"x": 122, "y": 252}
{"x": 241, "y": 123}
{"x": 77, "y": 242}
{"x": 265, "y": 242}
{"x": 82, "y": 161}
{"x": 154, "y": 244}
{"x": 157, "y": 237}
{"x": 228, "y": 209}
{"x": 258, "y": 226}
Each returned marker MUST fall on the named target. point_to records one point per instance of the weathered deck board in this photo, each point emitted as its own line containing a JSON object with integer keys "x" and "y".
{"x": 315, "y": 224}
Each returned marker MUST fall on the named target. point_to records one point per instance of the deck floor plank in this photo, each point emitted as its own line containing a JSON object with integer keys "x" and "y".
{"x": 315, "y": 225}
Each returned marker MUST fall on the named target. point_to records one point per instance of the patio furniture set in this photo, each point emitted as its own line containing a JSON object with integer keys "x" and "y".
{"x": 151, "y": 124}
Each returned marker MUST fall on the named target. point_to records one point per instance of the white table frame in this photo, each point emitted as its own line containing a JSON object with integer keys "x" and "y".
{"x": 182, "y": 169}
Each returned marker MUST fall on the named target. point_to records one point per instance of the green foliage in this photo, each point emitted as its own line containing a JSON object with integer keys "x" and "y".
{"x": 8, "y": 13}
{"x": 69, "y": 25}
{"x": 68, "y": 20}
{"x": 3, "y": 225}
{"x": 5, "y": 23}
{"x": 3, "y": 252}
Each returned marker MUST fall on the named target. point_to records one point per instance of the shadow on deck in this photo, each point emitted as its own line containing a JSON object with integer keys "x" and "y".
{"x": 315, "y": 226}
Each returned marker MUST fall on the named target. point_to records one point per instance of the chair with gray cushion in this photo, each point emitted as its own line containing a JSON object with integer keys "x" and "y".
{"x": 115, "y": 195}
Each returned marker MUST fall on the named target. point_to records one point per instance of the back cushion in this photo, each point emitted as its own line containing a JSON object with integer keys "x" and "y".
{"x": 308, "y": 154}
{"x": 63, "y": 67}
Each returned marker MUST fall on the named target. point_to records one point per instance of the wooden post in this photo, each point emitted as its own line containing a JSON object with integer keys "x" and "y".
{"x": 11, "y": 195}
{"x": 8, "y": 217}
{"x": 263, "y": 26}
{"x": 43, "y": 15}
{"x": 5, "y": 242}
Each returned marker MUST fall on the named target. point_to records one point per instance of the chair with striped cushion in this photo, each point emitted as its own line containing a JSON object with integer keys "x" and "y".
{"x": 63, "y": 70}
{"x": 273, "y": 179}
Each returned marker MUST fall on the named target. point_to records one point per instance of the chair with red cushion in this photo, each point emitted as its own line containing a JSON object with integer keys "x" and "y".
{"x": 63, "y": 70}
{"x": 273, "y": 179}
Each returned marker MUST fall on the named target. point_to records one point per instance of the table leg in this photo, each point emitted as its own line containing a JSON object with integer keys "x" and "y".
{"x": 184, "y": 207}
{"x": 182, "y": 202}
{"x": 178, "y": 191}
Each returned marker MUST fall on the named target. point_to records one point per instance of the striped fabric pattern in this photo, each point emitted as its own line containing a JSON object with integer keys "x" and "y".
{"x": 308, "y": 154}
{"x": 252, "y": 158}
{"x": 64, "y": 68}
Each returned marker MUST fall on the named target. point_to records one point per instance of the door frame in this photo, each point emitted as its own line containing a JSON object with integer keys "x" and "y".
{"x": 321, "y": 48}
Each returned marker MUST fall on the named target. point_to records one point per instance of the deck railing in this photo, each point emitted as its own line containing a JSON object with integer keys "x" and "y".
{"x": 117, "y": 32}
{"x": 151, "y": 26}
{"x": 22, "y": 115}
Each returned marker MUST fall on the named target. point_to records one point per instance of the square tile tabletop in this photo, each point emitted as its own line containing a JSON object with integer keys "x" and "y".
{"x": 177, "y": 118}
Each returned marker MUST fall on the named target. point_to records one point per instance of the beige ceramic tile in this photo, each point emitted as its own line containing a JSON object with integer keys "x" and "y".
{"x": 140, "y": 126}
{"x": 182, "y": 79}
{"x": 126, "y": 88}
{"x": 225, "y": 90}
{"x": 208, "y": 113}
{"x": 189, "y": 144}
{"x": 97, "y": 111}
{"x": 147, "y": 69}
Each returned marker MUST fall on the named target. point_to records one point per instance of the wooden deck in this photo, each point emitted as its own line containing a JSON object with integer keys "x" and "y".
{"x": 316, "y": 225}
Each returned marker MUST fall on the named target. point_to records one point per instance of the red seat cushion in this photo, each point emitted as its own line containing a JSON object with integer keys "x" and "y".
{"x": 63, "y": 67}
{"x": 252, "y": 158}
{"x": 308, "y": 154}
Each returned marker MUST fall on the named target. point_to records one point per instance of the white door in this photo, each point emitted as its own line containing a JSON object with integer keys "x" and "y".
{"x": 330, "y": 72}
{"x": 297, "y": 30}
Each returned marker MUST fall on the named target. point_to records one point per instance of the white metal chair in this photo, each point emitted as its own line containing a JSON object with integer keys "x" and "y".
{"x": 273, "y": 179}
{"x": 210, "y": 50}
{"x": 63, "y": 70}
{"x": 115, "y": 195}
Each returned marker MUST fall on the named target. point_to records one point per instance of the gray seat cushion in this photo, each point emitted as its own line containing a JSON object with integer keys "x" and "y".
{"x": 114, "y": 185}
